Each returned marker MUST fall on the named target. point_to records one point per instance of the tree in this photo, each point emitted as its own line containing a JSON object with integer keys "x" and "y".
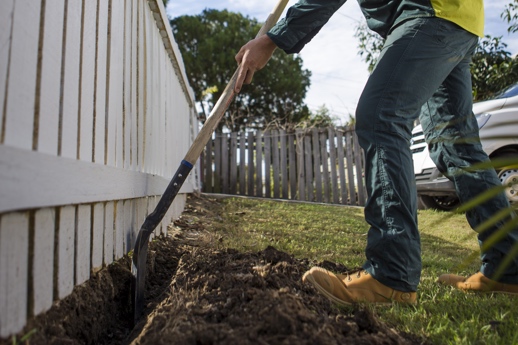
{"x": 510, "y": 15}
{"x": 492, "y": 68}
{"x": 208, "y": 43}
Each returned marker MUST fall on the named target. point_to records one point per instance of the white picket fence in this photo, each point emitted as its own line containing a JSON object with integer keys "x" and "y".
{"x": 95, "y": 117}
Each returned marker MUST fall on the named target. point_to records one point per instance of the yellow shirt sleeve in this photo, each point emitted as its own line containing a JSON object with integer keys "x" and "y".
{"x": 468, "y": 14}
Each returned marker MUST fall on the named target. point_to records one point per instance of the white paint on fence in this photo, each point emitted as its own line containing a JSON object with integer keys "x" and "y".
{"x": 23, "y": 58}
{"x": 83, "y": 244}
{"x": 14, "y": 263}
{"x": 43, "y": 259}
{"x": 66, "y": 250}
{"x": 70, "y": 107}
{"x": 98, "y": 236}
{"x": 50, "y": 83}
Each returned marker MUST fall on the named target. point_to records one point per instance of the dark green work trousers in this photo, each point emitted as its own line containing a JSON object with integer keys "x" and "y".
{"x": 423, "y": 71}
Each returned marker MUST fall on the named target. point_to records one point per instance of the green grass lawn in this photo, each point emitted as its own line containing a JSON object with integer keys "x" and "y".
{"x": 338, "y": 234}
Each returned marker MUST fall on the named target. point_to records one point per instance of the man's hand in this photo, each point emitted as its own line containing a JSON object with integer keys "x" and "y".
{"x": 252, "y": 57}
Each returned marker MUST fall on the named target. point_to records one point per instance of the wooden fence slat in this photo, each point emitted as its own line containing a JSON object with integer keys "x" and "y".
{"x": 119, "y": 230}
{"x": 19, "y": 108}
{"x": 301, "y": 171}
{"x": 325, "y": 166}
{"x": 341, "y": 166}
{"x": 284, "y": 165}
{"x": 218, "y": 152}
{"x": 47, "y": 121}
{"x": 259, "y": 164}
{"x": 350, "y": 166}
{"x": 134, "y": 99}
{"x": 66, "y": 251}
{"x": 308, "y": 159}
{"x": 142, "y": 83}
{"x": 116, "y": 84}
{"x": 129, "y": 222}
{"x": 109, "y": 213}
{"x": 267, "y": 138}
{"x": 208, "y": 167}
{"x": 358, "y": 159}
{"x": 100, "y": 84}
{"x": 14, "y": 254}
{"x": 233, "y": 163}
{"x": 276, "y": 164}
{"x": 6, "y": 17}
{"x": 98, "y": 236}
{"x": 251, "y": 170}
{"x": 334, "y": 174}
{"x": 224, "y": 163}
{"x": 242, "y": 162}
{"x": 83, "y": 243}
{"x": 127, "y": 69}
{"x": 316, "y": 164}
{"x": 70, "y": 105}
{"x": 43, "y": 260}
{"x": 292, "y": 166}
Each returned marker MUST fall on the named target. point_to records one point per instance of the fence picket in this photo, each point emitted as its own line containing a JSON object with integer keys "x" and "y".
{"x": 242, "y": 164}
{"x": 341, "y": 166}
{"x": 316, "y": 164}
{"x": 259, "y": 164}
{"x": 284, "y": 165}
{"x": 325, "y": 165}
{"x": 224, "y": 164}
{"x": 233, "y": 163}
{"x": 267, "y": 164}
{"x": 251, "y": 141}
{"x": 292, "y": 167}
{"x": 334, "y": 173}
{"x": 276, "y": 164}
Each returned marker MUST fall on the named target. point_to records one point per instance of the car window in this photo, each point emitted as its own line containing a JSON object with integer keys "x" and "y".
{"x": 508, "y": 92}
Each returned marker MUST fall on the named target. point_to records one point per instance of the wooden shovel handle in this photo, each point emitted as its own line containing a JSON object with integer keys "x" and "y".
{"x": 228, "y": 94}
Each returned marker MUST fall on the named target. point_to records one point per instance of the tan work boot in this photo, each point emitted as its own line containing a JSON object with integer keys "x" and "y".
{"x": 478, "y": 282}
{"x": 358, "y": 286}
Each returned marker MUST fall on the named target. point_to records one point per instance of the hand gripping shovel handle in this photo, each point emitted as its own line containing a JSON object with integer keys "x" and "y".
{"x": 152, "y": 220}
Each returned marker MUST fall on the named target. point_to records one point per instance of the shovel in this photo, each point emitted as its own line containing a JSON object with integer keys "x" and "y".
{"x": 152, "y": 220}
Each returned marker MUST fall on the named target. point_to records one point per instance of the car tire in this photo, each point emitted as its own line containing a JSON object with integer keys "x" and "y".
{"x": 509, "y": 177}
{"x": 441, "y": 203}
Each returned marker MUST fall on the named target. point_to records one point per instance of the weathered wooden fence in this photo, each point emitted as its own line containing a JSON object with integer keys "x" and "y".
{"x": 95, "y": 117}
{"x": 319, "y": 165}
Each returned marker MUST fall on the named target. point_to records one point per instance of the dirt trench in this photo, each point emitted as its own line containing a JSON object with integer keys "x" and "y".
{"x": 199, "y": 294}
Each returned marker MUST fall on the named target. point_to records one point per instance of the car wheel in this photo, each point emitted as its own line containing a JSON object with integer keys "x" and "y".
{"x": 442, "y": 203}
{"x": 509, "y": 178}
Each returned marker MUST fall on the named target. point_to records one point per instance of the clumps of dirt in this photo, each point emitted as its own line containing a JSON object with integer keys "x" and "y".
{"x": 228, "y": 297}
{"x": 197, "y": 293}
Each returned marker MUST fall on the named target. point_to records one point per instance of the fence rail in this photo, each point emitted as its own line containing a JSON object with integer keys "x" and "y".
{"x": 319, "y": 165}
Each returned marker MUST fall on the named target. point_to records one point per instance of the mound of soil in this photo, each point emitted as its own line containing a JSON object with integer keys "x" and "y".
{"x": 199, "y": 294}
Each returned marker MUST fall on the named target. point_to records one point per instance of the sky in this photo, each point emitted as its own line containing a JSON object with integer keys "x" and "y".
{"x": 338, "y": 73}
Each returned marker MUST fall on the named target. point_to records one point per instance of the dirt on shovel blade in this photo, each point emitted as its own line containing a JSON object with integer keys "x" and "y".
{"x": 199, "y": 294}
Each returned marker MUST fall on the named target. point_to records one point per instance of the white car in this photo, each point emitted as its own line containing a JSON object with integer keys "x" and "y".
{"x": 498, "y": 122}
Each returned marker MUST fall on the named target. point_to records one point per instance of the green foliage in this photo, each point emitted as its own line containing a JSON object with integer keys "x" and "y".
{"x": 510, "y": 15}
{"x": 492, "y": 68}
{"x": 369, "y": 44}
{"x": 209, "y": 42}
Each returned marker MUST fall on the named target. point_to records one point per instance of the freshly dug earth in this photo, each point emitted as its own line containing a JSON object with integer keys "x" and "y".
{"x": 197, "y": 293}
